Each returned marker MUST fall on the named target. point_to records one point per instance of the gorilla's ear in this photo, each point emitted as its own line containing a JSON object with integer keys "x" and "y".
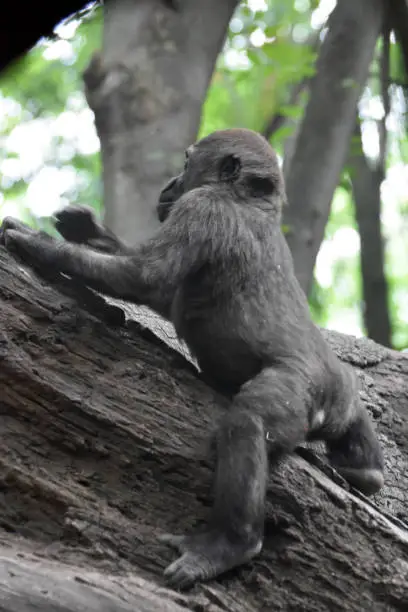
{"x": 230, "y": 168}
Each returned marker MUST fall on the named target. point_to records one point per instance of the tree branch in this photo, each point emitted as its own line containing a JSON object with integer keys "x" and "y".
{"x": 324, "y": 134}
{"x": 366, "y": 183}
{"x": 385, "y": 95}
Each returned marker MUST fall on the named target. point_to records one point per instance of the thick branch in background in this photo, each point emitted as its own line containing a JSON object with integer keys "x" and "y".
{"x": 366, "y": 180}
{"x": 323, "y": 139}
{"x": 147, "y": 89}
{"x": 104, "y": 446}
{"x": 366, "y": 184}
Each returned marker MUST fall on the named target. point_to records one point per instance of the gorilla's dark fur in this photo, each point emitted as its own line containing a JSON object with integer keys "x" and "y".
{"x": 220, "y": 270}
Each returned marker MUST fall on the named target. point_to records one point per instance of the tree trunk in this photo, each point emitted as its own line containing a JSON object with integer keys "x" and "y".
{"x": 324, "y": 135}
{"x": 147, "y": 89}
{"x": 366, "y": 183}
{"x": 104, "y": 444}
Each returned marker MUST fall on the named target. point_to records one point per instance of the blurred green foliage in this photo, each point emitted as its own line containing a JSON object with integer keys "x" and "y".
{"x": 48, "y": 144}
{"x": 49, "y": 153}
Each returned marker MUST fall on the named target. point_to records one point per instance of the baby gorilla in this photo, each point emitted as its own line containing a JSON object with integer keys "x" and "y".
{"x": 220, "y": 270}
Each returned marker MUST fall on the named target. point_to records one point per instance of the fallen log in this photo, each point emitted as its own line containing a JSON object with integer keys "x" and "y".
{"x": 104, "y": 445}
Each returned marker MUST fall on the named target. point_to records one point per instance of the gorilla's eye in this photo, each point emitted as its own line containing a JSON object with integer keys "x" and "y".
{"x": 260, "y": 186}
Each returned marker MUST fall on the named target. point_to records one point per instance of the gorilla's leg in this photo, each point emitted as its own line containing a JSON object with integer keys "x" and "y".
{"x": 356, "y": 454}
{"x": 267, "y": 417}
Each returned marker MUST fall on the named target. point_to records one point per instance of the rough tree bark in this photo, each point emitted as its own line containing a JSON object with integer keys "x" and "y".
{"x": 324, "y": 135}
{"x": 104, "y": 439}
{"x": 147, "y": 89}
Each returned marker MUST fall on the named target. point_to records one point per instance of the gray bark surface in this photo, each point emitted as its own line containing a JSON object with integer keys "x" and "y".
{"x": 105, "y": 444}
{"x": 324, "y": 134}
{"x": 146, "y": 89}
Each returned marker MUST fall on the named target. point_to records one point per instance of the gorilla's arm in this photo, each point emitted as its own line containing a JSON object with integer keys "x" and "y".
{"x": 79, "y": 224}
{"x": 149, "y": 274}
